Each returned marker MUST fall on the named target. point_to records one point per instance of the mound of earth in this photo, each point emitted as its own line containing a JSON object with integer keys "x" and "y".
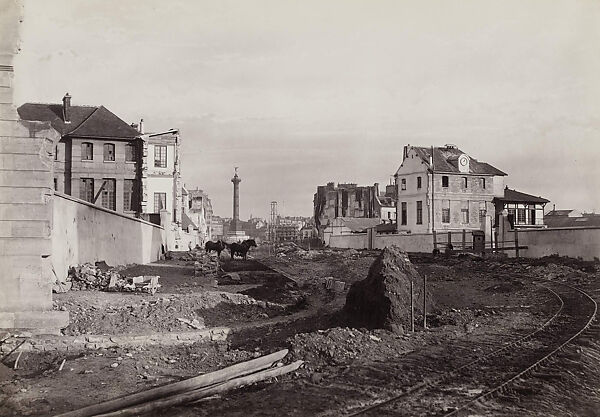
{"x": 382, "y": 300}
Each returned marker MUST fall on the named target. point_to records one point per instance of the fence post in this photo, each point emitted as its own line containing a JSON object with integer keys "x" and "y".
{"x": 412, "y": 307}
{"x": 424, "y": 302}
{"x": 434, "y": 240}
{"x": 449, "y": 239}
{"x": 464, "y": 238}
{"x": 516, "y": 242}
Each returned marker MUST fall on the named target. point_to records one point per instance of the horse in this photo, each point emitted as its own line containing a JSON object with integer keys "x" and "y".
{"x": 241, "y": 248}
{"x": 217, "y": 246}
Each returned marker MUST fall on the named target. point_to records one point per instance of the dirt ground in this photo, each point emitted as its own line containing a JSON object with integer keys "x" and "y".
{"x": 279, "y": 301}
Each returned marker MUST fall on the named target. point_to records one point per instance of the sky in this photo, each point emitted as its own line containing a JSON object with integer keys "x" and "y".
{"x": 300, "y": 93}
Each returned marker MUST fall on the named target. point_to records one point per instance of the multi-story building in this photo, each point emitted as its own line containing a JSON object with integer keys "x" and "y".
{"x": 351, "y": 201}
{"x": 201, "y": 212}
{"x": 98, "y": 157}
{"x": 161, "y": 174}
{"x": 445, "y": 190}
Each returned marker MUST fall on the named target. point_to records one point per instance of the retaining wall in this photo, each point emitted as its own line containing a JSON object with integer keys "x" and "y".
{"x": 83, "y": 232}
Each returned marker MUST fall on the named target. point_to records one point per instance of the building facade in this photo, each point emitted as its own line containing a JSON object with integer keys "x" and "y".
{"x": 98, "y": 156}
{"x": 161, "y": 174}
{"x": 445, "y": 190}
{"x": 352, "y": 201}
{"x": 200, "y": 210}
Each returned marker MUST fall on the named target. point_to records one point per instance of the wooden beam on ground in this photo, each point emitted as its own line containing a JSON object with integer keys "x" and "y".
{"x": 198, "y": 394}
{"x": 222, "y": 375}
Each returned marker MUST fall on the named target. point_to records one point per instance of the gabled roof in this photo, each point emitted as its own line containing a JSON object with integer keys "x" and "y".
{"x": 563, "y": 213}
{"x": 86, "y": 121}
{"x": 186, "y": 222}
{"x": 514, "y": 196}
{"x": 445, "y": 160}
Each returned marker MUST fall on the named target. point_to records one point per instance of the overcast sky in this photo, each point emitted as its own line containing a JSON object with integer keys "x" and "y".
{"x": 299, "y": 93}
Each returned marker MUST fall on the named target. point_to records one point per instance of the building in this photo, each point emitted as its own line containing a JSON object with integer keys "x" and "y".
{"x": 350, "y": 201}
{"x": 200, "y": 211}
{"x": 446, "y": 190}
{"x": 98, "y": 156}
{"x": 524, "y": 210}
{"x": 161, "y": 174}
{"x": 571, "y": 218}
{"x": 286, "y": 233}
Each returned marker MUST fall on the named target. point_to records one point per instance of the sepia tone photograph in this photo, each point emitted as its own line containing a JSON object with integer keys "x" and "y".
{"x": 299, "y": 208}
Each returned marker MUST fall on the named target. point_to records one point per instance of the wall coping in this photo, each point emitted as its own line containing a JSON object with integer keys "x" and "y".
{"x": 550, "y": 229}
{"x": 87, "y": 203}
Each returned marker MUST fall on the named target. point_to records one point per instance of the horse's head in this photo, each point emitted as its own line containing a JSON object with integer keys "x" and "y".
{"x": 251, "y": 242}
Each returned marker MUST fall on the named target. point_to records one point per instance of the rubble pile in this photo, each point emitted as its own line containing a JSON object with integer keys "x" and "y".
{"x": 382, "y": 300}
{"x": 337, "y": 346}
{"x": 102, "y": 277}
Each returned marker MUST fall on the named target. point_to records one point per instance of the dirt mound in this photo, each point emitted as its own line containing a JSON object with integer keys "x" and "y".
{"x": 382, "y": 300}
{"x": 338, "y": 346}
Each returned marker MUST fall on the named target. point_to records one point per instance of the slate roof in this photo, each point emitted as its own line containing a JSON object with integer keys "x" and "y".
{"x": 86, "y": 121}
{"x": 514, "y": 196}
{"x": 586, "y": 220}
{"x": 445, "y": 160}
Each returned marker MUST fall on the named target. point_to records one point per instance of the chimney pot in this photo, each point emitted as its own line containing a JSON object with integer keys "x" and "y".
{"x": 141, "y": 129}
{"x": 67, "y": 108}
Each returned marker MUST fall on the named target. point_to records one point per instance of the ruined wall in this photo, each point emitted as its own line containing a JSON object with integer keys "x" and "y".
{"x": 83, "y": 232}
{"x": 573, "y": 242}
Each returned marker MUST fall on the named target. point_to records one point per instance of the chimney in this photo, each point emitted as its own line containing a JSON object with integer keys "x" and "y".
{"x": 405, "y": 152}
{"x": 141, "y": 129}
{"x": 67, "y": 108}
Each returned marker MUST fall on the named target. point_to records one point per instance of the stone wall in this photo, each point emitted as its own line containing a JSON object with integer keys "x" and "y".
{"x": 84, "y": 232}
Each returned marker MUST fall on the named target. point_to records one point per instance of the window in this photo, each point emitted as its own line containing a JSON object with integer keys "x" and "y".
{"x": 445, "y": 181}
{"x": 532, "y": 216}
{"x": 56, "y": 184}
{"x": 130, "y": 202}
{"x": 419, "y": 183}
{"x": 465, "y": 212}
{"x": 108, "y": 194}
{"x": 446, "y": 211}
{"x": 160, "y": 156}
{"x": 521, "y": 216}
{"x": 109, "y": 152}
{"x": 465, "y": 183}
{"x": 160, "y": 202}
{"x": 404, "y": 213}
{"x": 86, "y": 189}
{"x": 482, "y": 180}
{"x": 56, "y": 153}
{"x": 130, "y": 152}
{"x": 403, "y": 184}
{"x": 419, "y": 212}
{"x": 482, "y": 209}
{"x": 87, "y": 151}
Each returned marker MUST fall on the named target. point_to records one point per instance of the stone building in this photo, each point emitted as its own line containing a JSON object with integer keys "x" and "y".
{"x": 98, "y": 156}
{"x": 161, "y": 174}
{"x": 445, "y": 191}
{"x": 200, "y": 211}
{"x": 350, "y": 201}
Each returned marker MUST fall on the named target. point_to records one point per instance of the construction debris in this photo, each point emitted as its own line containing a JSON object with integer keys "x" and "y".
{"x": 103, "y": 278}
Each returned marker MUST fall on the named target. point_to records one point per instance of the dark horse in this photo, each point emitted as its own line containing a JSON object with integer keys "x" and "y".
{"x": 241, "y": 248}
{"x": 218, "y": 246}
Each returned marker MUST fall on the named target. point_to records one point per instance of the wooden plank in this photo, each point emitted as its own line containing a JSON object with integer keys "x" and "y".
{"x": 217, "y": 377}
{"x": 198, "y": 394}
